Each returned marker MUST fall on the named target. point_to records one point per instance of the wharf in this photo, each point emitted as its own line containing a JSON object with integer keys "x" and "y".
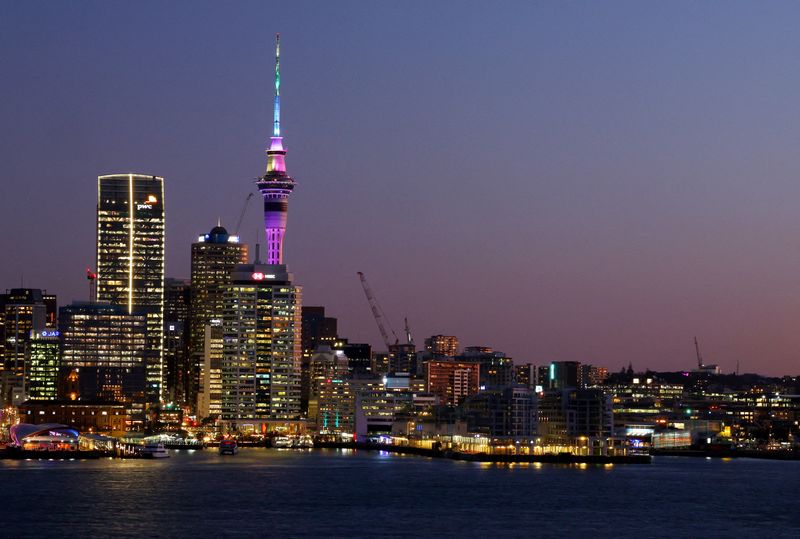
{"x": 27, "y": 454}
{"x": 562, "y": 458}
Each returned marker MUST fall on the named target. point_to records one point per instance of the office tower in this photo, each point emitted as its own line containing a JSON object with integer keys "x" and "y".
{"x": 262, "y": 350}
{"x": 261, "y": 321}
{"x": 104, "y": 353}
{"x": 507, "y": 412}
{"x": 209, "y": 390}
{"x": 43, "y": 364}
{"x": 214, "y": 256}
{"x": 452, "y": 381}
{"x": 439, "y": 346}
{"x": 565, "y": 414}
{"x": 130, "y": 258}
{"x": 24, "y": 312}
{"x": 176, "y": 322}
{"x": 330, "y": 400}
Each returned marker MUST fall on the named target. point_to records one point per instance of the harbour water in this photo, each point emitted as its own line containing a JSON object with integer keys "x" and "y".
{"x": 291, "y": 493}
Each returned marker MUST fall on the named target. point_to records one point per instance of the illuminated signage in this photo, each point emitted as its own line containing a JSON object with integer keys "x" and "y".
{"x": 258, "y": 276}
{"x": 49, "y": 333}
{"x": 148, "y": 204}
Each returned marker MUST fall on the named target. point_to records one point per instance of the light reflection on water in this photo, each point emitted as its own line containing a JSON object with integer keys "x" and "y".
{"x": 369, "y": 494}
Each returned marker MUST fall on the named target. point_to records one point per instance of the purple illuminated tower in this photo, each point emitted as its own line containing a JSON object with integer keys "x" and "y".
{"x": 276, "y": 185}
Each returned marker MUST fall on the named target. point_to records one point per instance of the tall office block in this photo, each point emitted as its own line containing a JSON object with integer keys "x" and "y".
{"x": 104, "y": 353}
{"x": 214, "y": 255}
{"x": 130, "y": 258}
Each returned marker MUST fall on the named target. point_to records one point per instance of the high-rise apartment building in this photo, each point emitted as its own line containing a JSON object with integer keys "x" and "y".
{"x": 439, "y": 346}
{"x": 330, "y": 400}
{"x": 452, "y": 381}
{"x": 130, "y": 258}
{"x": 214, "y": 255}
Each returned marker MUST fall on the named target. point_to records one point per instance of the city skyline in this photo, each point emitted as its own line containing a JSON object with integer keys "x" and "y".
{"x": 467, "y": 219}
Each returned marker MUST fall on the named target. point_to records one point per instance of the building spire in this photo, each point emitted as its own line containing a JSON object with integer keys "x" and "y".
{"x": 276, "y": 127}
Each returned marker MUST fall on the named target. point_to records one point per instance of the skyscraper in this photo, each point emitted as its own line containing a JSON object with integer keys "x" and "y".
{"x": 260, "y": 371}
{"x": 176, "y": 321}
{"x": 214, "y": 256}
{"x": 442, "y": 345}
{"x": 130, "y": 258}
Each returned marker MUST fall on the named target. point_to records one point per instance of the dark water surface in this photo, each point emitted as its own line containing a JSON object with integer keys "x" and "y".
{"x": 284, "y": 493}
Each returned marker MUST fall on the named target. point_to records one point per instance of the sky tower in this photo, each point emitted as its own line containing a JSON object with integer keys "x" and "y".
{"x": 276, "y": 185}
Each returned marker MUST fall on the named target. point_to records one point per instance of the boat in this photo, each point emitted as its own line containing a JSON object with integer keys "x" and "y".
{"x": 303, "y": 442}
{"x": 282, "y": 441}
{"x": 228, "y": 447}
{"x": 154, "y": 451}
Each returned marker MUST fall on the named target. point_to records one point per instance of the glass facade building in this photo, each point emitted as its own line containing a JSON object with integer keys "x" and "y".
{"x": 130, "y": 258}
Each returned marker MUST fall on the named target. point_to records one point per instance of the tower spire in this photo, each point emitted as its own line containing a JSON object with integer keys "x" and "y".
{"x": 276, "y": 112}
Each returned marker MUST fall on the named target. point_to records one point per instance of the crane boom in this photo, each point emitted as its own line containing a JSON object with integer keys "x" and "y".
{"x": 241, "y": 215}
{"x": 377, "y": 312}
{"x": 699, "y": 355}
{"x": 409, "y": 340}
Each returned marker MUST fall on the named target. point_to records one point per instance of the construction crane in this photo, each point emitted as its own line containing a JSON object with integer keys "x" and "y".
{"x": 241, "y": 215}
{"x": 409, "y": 340}
{"x": 377, "y": 312}
{"x": 699, "y": 355}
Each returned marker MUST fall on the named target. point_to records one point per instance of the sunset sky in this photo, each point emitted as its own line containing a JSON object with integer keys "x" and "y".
{"x": 590, "y": 181}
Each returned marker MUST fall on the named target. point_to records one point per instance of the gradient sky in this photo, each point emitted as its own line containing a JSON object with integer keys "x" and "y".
{"x": 591, "y": 181}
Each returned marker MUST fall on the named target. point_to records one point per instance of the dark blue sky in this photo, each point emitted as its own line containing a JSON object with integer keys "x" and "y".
{"x": 591, "y": 181}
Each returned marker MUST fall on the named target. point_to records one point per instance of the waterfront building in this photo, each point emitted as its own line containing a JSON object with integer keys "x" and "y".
{"x": 440, "y": 346}
{"x": 262, "y": 350}
{"x": 452, "y": 381}
{"x": 261, "y": 321}
{"x": 214, "y": 255}
{"x": 508, "y": 412}
{"x": 104, "y": 354}
{"x": 376, "y": 407}
{"x": 130, "y": 259}
{"x": 42, "y": 365}
{"x": 566, "y": 414}
{"x": 83, "y": 416}
{"x": 330, "y": 400}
